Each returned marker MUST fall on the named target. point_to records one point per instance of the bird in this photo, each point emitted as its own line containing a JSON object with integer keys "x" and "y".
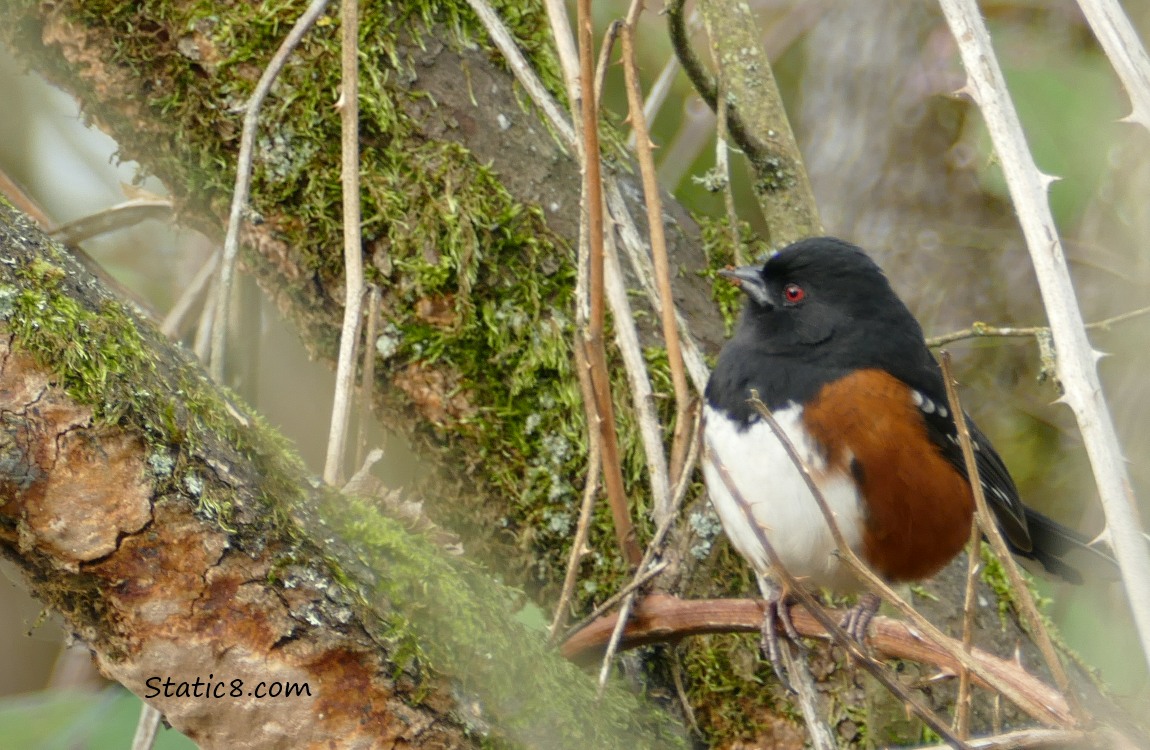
{"x": 841, "y": 364}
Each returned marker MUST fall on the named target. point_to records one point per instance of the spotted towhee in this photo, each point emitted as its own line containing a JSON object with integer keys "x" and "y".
{"x": 842, "y": 365}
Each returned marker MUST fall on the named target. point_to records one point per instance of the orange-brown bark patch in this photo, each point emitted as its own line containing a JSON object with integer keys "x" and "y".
{"x": 436, "y": 392}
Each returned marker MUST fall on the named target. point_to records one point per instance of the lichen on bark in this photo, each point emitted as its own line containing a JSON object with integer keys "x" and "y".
{"x": 237, "y": 560}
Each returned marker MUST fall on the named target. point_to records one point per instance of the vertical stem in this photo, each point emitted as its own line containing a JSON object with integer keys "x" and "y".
{"x": 662, "y": 266}
{"x": 962, "y": 707}
{"x": 352, "y": 245}
{"x": 1077, "y": 360}
{"x": 1023, "y": 599}
{"x": 596, "y": 353}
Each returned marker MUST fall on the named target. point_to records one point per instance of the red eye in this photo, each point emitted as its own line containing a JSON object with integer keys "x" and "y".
{"x": 793, "y": 293}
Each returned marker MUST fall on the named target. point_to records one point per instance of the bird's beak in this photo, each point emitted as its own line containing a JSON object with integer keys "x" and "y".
{"x": 750, "y": 280}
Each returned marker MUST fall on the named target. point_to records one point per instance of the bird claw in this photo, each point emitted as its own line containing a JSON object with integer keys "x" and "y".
{"x": 857, "y": 619}
{"x": 778, "y": 610}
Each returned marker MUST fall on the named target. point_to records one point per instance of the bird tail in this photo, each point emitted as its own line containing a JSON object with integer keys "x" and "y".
{"x": 1066, "y": 553}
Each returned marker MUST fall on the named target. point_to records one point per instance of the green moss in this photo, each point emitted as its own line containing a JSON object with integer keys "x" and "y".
{"x": 455, "y": 618}
{"x": 993, "y": 574}
{"x": 443, "y": 227}
{"x": 731, "y": 689}
{"x": 103, "y": 360}
{"x": 773, "y": 174}
{"x": 464, "y": 625}
{"x": 716, "y": 236}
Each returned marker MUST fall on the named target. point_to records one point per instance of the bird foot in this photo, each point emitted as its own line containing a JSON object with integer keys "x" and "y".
{"x": 778, "y": 610}
{"x": 858, "y": 618}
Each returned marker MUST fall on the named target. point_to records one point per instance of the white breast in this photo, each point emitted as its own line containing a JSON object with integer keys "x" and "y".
{"x": 771, "y": 490}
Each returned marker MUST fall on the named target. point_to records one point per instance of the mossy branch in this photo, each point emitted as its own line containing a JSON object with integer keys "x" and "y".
{"x": 756, "y": 118}
{"x": 237, "y": 561}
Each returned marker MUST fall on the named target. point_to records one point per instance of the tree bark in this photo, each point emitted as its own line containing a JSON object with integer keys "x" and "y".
{"x": 209, "y": 574}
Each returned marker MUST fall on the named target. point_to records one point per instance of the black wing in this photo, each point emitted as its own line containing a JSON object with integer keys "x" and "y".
{"x": 1060, "y": 550}
{"x": 997, "y": 485}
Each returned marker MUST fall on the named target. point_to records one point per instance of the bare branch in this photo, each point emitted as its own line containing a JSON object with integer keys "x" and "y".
{"x": 980, "y": 330}
{"x": 593, "y": 334}
{"x": 659, "y": 618}
{"x": 662, "y": 267}
{"x": 963, "y": 703}
{"x": 244, "y": 182}
{"x": 352, "y": 242}
{"x": 170, "y": 326}
{"x": 1120, "y": 41}
{"x": 990, "y": 528}
{"x": 1076, "y": 360}
{"x": 367, "y": 379}
{"x": 781, "y": 186}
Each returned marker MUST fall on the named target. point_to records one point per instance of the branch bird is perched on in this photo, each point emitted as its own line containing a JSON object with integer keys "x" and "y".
{"x": 842, "y": 365}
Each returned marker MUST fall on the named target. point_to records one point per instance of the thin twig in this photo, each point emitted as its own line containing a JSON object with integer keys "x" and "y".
{"x": 700, "y": 79}
{"x": 642, "y": 574}
{"x": 876, "y": 584}
{"x": 641, "y": 264}
{"x": 564, "y": 47}
{"x": 523, "y": 71}
{"x": 980, "y": 330}
{"x": 1027, "y": 739}
{"x": 642, "y": 393}
{"x": 840, "y": 636}
{"x": 24, "y": 202}
{"x": 659, "y": 252}
{"x": 681, "y": 691}
{"x": 683, "y": 481}
{"x": 1022, "y": 595}
{"x": 596, "y": 353}
{"x": 201, "y": 342}
{"x": 634, "y": 10}
{"x": 807, "y": 694}
{"x": 367, "y": 380}
{"x": 626, "y": 333}
{"x": 1120, "y": 41}
{"x": 613, "y": 644}
{"x": 723, "y": 170}
{"x": 1076, "y": 363}
{"x": 590, "y": 488}
{"x": 657, "y": 95}
{"x": 352, "y": 242}
{"x": 609, "y": 603}
{"x": 170, "y": 326}
{"x": 112, "y": 219}
{"x": 11, "y": 190}
{"x": 963, "y": 704}
{"x": 781, "y": 186}
{"x": 147, "y": 726}
{"x": 606, "y": 47}
{"x": 799, "y": 678}
{"x": 625, "y": 223}
{"x": 244, "y": 182}
{"x": 590, "y": 413}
